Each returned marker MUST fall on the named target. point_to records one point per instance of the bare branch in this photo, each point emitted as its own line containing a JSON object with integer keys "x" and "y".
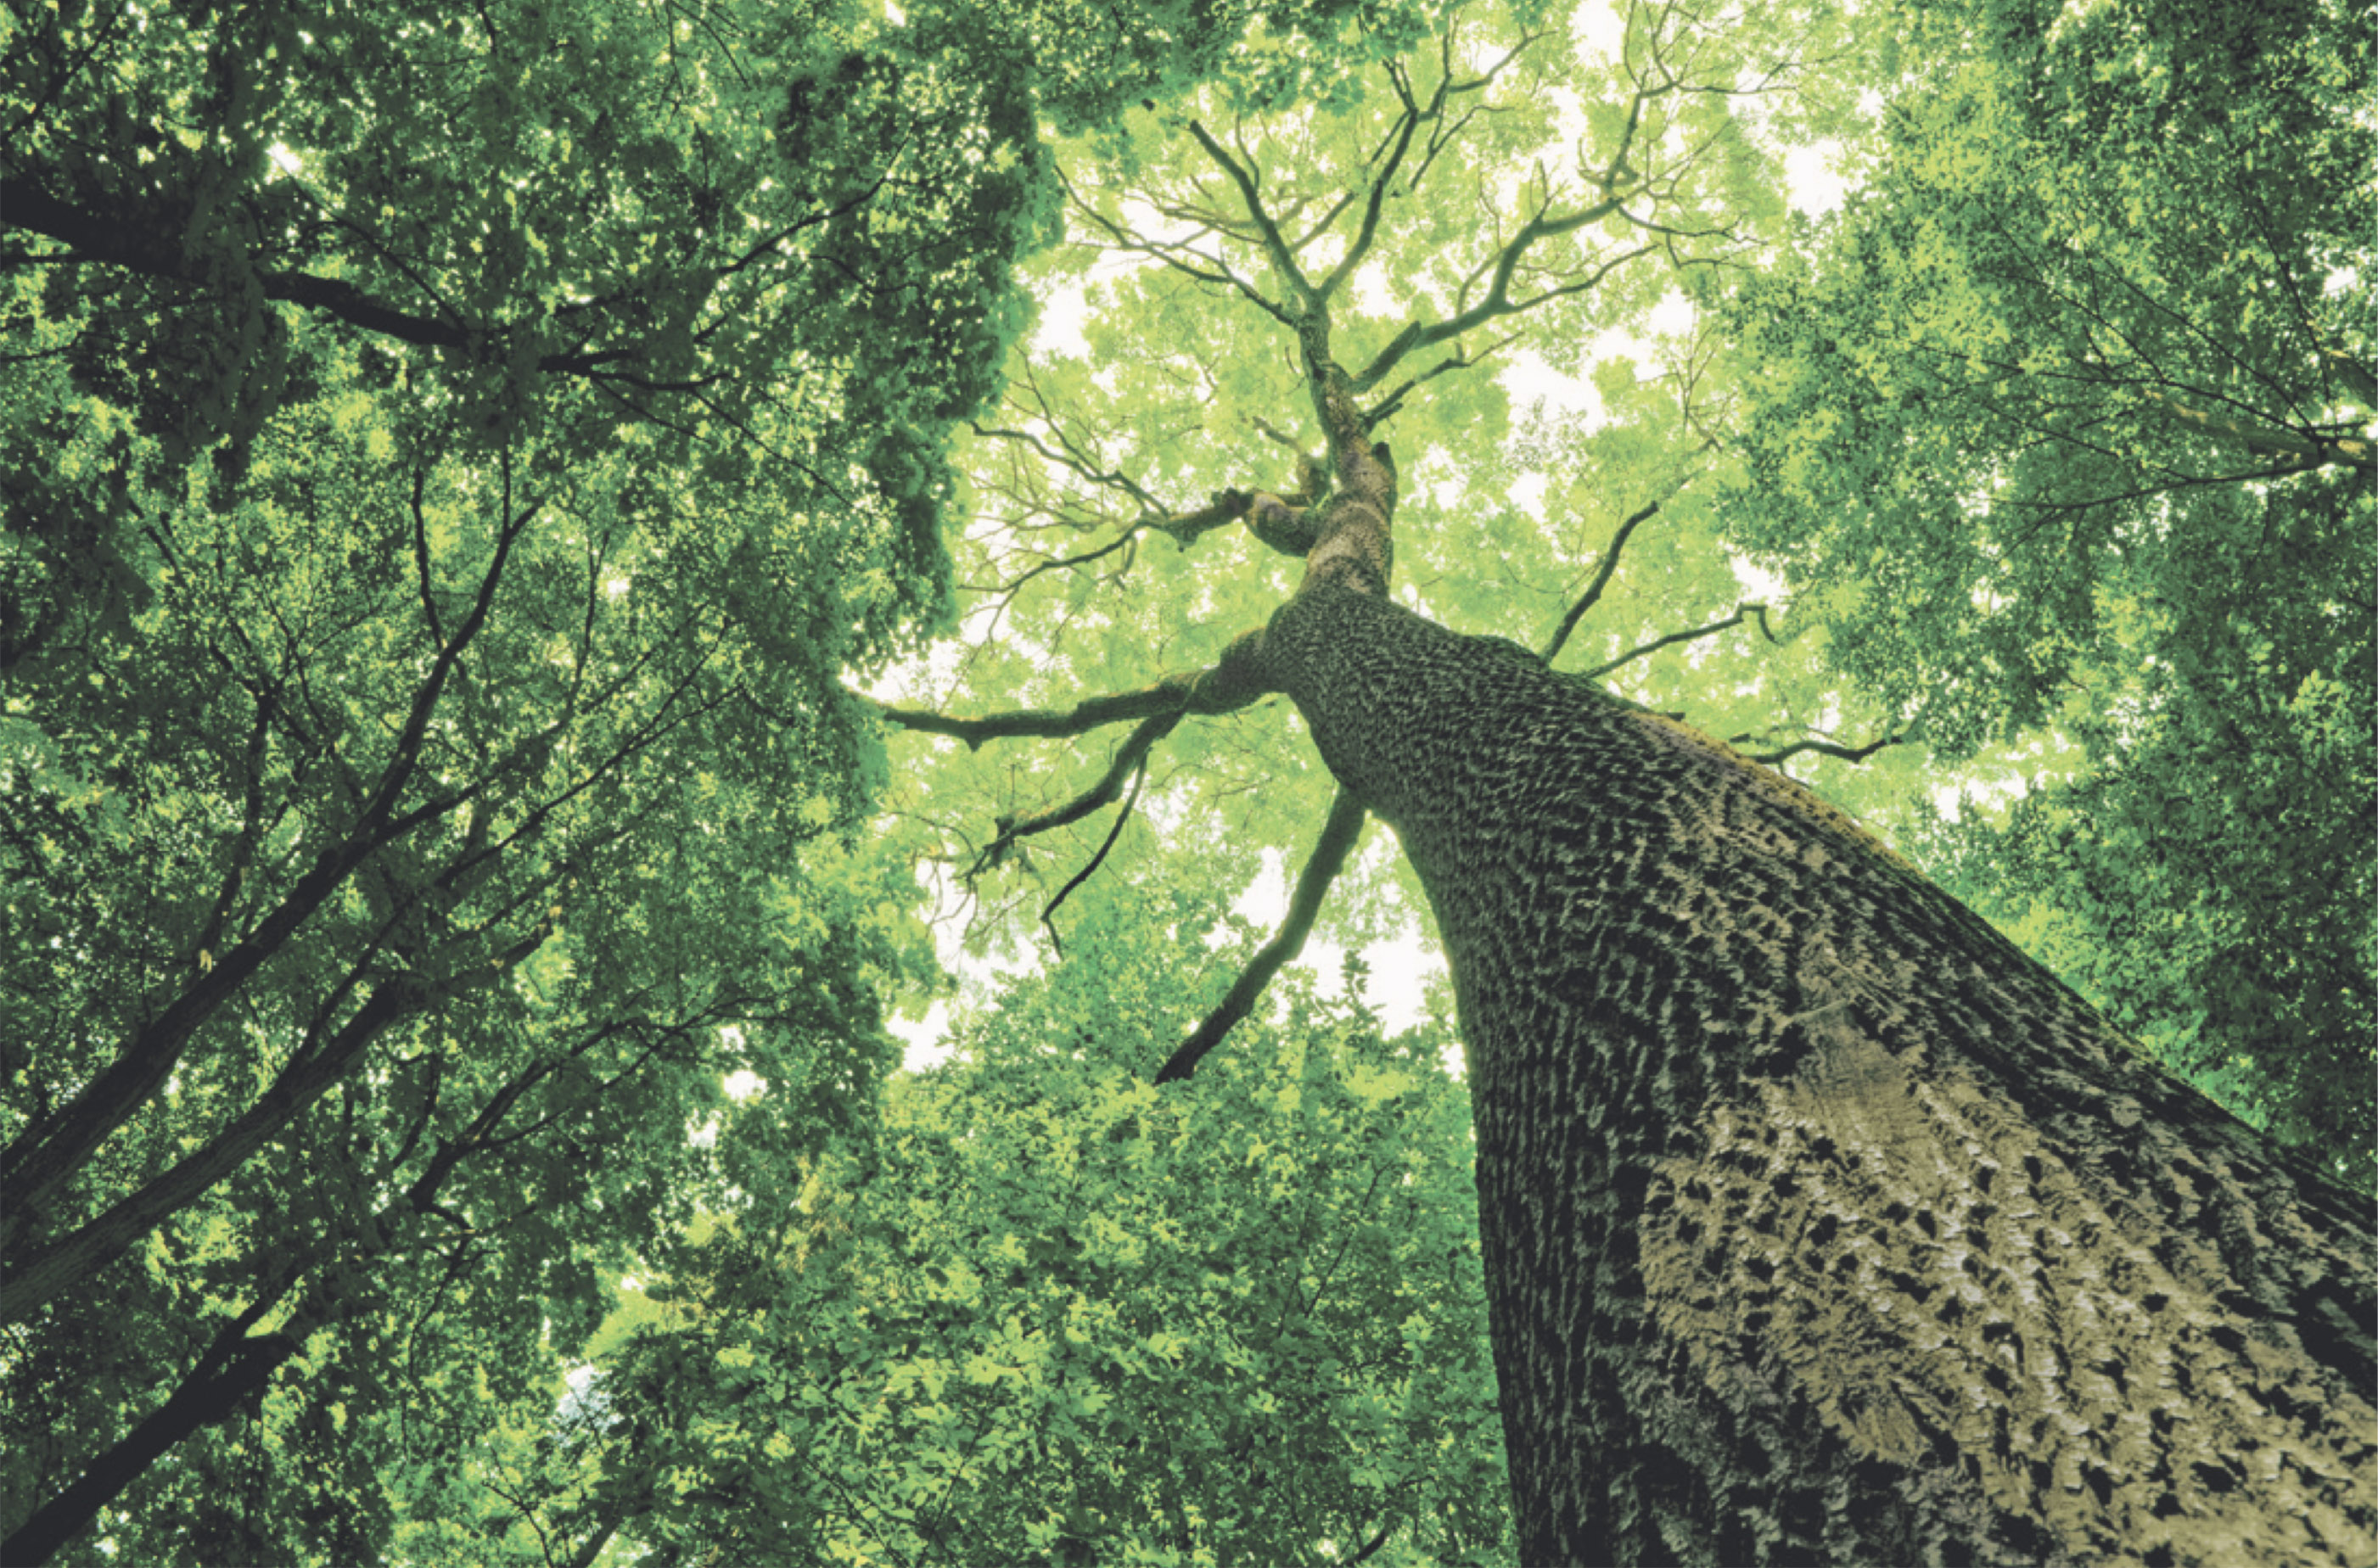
{"x": 1074, "y": 462}
{"x": 1138, "y": 777}
{"x": 1329, "y": 859}
{"x": 1460, "y": 359}
{"x": 1275, "y": 245}
{"x": 1498, "y": 301}
{"x": 1822, "y": 747}
{"x": 1675, "y": 637}
{"x": 1360, "y": 250}
{"x": 1131, "y": 757}
{"x": 1601, "y": 578}
{"x": 1169, "y": 697}
{"x": 1170, "y": 252}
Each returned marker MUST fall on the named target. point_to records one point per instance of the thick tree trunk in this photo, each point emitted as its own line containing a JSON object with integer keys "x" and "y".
{"x": 1821, "y": 1225}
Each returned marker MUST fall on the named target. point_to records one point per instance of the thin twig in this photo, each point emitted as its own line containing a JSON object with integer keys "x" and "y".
{"x": 1675, "y": 637}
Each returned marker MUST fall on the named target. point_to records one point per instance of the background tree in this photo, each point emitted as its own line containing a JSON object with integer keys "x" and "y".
{"x": 2065, "y": 420}
{"x": 451, "y": 460}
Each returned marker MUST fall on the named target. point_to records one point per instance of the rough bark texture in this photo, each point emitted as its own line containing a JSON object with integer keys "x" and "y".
{"x": 1821, "y": 1225}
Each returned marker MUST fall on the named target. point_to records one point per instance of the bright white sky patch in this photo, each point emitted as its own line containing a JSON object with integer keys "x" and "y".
{"x": 1811, "y": 174}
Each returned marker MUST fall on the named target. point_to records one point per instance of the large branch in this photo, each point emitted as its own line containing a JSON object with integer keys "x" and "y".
{"x": 1329, "y": 859}
{"x": 143, "y": 249}
{"x": 2309, "y": 451}
{"x": 1170, "y": 696}
{"x": 226, "y": 1375}
{"x": 68, "y": 1263}
{"x": 237, "y": 1365}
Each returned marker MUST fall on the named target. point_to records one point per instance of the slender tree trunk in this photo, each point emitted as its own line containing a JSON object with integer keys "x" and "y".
{"x": 237, "y": 1365}
{"x": 1821, "y": 1225}
{"x": 233, "y": 1372}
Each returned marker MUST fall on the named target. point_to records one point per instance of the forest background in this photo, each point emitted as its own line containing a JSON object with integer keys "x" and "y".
{"x": 502, "y": 506}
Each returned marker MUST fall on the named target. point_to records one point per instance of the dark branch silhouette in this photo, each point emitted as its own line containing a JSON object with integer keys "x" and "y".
{"x": 1138, "y": 777}
{"x": 1129, "y": 758}
{"x": 1592, "y": 594}
{"x": 1694, "y": 634}
{"x": 1321, "y": 868}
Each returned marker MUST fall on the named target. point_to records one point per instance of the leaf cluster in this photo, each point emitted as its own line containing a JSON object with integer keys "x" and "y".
{"x": 1038, "y": 1319}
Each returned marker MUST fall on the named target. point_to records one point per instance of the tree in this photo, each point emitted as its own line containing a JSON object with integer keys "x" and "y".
{"x": 451, "y": 460}
{"x": 2066, "y": 418}
{"x": 1820, "y": 1222}
{"x": 406, "y": 575}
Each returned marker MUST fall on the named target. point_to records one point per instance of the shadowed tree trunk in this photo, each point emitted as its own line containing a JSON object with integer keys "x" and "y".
{"x": 1821, "y": 1224}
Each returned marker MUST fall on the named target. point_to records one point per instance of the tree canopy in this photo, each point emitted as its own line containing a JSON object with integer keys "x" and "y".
{"x": 550, "y": 548}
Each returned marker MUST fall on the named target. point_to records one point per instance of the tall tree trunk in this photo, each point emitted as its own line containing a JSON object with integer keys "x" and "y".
{"x": 1821, "y": 1224}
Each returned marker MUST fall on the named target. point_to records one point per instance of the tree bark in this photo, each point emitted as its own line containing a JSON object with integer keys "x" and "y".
{"x": 1821, "y": 1224}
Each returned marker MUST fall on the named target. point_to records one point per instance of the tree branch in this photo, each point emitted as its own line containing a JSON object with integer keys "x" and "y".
{"x": 1132, "y": 756}
{"x": 2311, "y": 451}
{"x": 138, "y": 248}
{"x": 1498, "y": 301}
{"x": 1601, "y": 578}
{"x": 1675, "y": 637}
{"x": 1074, "y": 462}
{"x": 1138, "y": 777}
{"x": 1822, "y": 747}
{"x": 1329, "y": 859}
{"x": 1275, "y": 247}
{"x": 1214, "y": 272}
{"x": 1170, "y": 696}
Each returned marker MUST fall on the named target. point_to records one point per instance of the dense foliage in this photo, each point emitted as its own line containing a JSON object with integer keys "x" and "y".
{"x": 458, "y": 462}
{"x": 1051, "y": 1313}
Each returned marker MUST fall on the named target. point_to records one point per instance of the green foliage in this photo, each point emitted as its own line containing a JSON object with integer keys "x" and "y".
{"x": 452, "y": 460}
{"x": 1052, "y": 1314}
{"x": 1183, "y": 385}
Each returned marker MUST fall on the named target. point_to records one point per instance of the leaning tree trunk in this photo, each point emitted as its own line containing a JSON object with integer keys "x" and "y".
{"x": 1821, "y": 1224}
